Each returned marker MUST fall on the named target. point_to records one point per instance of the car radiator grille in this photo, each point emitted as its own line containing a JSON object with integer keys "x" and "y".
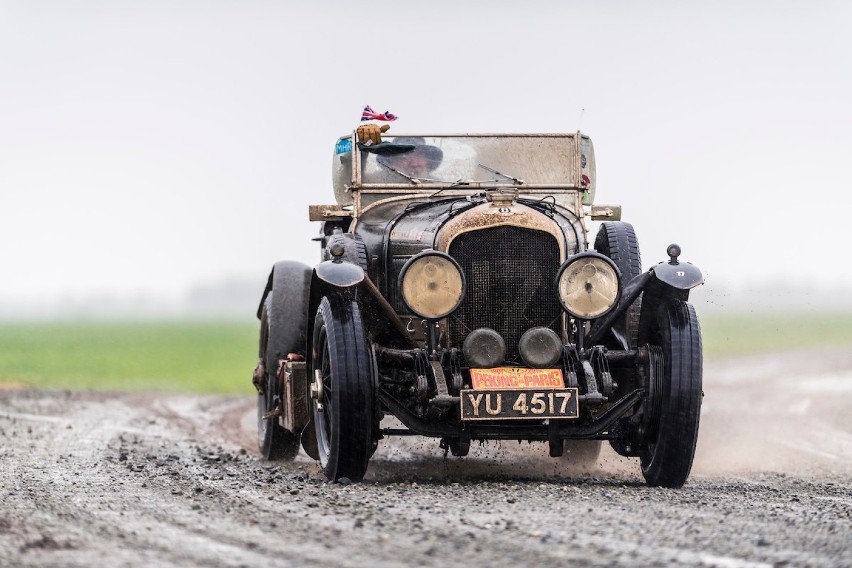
{"x": 511, "y": 275}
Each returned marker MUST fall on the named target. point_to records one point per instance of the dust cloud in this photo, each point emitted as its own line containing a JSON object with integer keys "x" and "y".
{"x": 783, "y": 413}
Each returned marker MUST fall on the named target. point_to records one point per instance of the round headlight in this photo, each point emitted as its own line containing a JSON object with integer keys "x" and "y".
{"x": 432, "y": 285}
{"x": 589, "y": 285}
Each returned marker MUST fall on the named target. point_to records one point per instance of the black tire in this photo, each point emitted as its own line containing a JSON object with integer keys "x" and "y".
{"x": 354, "y": 249}
{"x": 283, "y": 324}
{"x": 274, "y": 442}
{"x": 673, "y": 407}
{"x": 618, "y": 241}
{"x": 345, "y": 425}
{"x": 287, "y": 314}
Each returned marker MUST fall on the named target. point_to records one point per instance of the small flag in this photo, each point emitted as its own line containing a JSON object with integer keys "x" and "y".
{"x": 369, "y": 114}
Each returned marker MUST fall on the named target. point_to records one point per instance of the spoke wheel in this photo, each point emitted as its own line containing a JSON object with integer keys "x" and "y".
{"x": 673, "y": 406}
{"x": 274, "y": 442}
{"x": 345, "y": 394}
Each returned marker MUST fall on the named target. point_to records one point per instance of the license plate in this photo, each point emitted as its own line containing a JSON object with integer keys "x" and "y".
{"x": 516, "y": 378}
{"x": 518, "y": 404}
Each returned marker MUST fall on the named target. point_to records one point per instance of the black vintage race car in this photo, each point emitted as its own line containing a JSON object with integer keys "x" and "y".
{"x": 460, "y": 293}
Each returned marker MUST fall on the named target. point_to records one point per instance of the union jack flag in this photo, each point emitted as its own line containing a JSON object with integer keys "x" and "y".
{"x": 369, "y": 114}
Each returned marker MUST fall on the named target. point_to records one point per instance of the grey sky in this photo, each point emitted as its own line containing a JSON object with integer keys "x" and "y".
{"x": 147, "y": 147}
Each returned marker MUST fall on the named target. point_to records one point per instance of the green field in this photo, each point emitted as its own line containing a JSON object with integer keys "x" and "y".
{"x": 218, "y": 357}
{"x": 731, "y": 335}
{"x": 172, "y": 356}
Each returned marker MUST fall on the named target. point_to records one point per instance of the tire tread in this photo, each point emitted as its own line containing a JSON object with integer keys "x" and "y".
{"x": 670, "y": 462}
{"x": 618, "y": 241}
{"x": 347, "y": 348}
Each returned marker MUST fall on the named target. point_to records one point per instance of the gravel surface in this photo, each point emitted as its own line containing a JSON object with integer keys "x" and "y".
{"x": 147, "y": 479}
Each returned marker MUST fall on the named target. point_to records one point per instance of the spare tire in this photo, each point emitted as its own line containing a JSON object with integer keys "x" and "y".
{"x": 617, "y": 240}
{"x": 354, "y": 249}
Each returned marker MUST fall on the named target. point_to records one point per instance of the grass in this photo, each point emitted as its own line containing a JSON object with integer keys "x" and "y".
{"x": 213, "y": 357}
{"x": 738, "y": 334}
{"x": 218, "y": 357}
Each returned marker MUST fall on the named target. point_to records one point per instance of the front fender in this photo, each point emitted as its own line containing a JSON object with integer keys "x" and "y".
{"x": 671, "y": 282}
{"x": 680, "y": 276}
{"x": 349, "y": 280}
{"x": 663, "y": 282}
{"x": 338, "y": 274}
{"x": 331, "y": 277}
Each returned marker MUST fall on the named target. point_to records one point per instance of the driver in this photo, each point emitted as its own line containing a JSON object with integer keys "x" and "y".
{"x": 419, "y": 162}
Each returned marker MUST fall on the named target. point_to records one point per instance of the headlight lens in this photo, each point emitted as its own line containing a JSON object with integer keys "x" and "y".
{"x": 432, "y": 285}
{"x": 589, "y": 285}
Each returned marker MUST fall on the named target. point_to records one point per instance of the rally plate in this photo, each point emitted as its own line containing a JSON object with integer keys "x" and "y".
{"x": 516, "y": 378}
{"x": 518, "y": 404}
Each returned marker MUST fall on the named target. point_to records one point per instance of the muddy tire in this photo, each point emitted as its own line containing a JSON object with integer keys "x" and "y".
{"x": 341, "y": 356}
{"x": 617, "y": 240}
{"x": 274, "y": 442}
{"x": 673, "y": 407}
{"x": 287, "y": 311}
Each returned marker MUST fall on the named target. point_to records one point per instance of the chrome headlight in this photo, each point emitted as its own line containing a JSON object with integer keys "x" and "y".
{"x": 589, "y": 285}
{"x": 432, "y": 285}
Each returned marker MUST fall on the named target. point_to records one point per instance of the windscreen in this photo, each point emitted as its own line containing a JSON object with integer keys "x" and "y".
{"x": 531, "y": 159}
{"x": 448, "y": 161}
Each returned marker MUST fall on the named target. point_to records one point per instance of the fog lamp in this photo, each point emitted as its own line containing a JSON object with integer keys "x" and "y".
{"x": 484, "y": 348}
{"x": 540, "y": 347}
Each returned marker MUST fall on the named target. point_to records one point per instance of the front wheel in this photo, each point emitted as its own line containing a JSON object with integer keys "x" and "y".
{"x": 344, "y": 393}
{"x": 673, "y": 406}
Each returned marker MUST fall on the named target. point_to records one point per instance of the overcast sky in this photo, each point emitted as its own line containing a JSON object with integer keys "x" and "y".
{"x": 149, "y": 147}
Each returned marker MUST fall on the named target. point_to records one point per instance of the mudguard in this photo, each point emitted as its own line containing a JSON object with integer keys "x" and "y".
{"x": 338, "y": 274}
{"x": 664, "y": 282}
{"x": 332, "y": 276}
{"x": 671, "y": 282}
{"x": 681, "y": 276}
{"x": 341, "y": 277}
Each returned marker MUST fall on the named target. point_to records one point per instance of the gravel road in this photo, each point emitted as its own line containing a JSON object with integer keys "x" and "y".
{"x": 174, "y": 480}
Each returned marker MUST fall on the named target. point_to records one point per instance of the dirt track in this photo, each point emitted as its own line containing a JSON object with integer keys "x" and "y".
{"x": 104, "y": 479}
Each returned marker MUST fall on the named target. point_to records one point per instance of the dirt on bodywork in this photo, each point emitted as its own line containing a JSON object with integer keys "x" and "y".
{"x": 153, "y": 479}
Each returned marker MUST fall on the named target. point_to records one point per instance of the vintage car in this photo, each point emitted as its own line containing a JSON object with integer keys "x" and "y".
{"x": 459, "y": 292}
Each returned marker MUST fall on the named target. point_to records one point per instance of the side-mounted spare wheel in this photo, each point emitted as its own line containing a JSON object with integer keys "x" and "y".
{"x": 354, "y": 249}
{"x": 343, "y": 389}
{"x": 673, "y": 406}
{"x": 283, "y": 324}
{"x": 618, "y": 241}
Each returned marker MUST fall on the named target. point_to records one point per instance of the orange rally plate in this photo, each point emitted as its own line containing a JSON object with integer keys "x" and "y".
{"x": 515, "y": 378}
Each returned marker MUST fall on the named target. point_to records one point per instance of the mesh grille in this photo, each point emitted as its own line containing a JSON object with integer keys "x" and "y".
{"x": 393, "y": 295}
{"x": 510, "y": 283}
